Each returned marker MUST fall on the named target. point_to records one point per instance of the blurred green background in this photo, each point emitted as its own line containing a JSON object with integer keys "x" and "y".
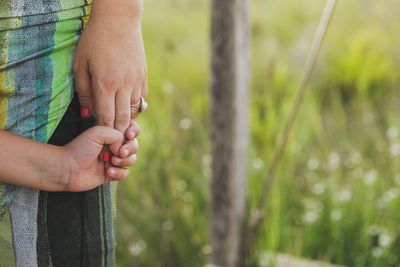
{"x": 337, "y": 193}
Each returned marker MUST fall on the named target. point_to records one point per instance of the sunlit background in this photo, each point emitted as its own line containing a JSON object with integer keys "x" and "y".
{"x": 337, "y": 194}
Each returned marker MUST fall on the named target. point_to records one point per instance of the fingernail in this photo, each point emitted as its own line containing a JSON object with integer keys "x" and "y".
{"x": 105, "y": 156}
{"x": 112, "y": 171}
{"x": 126, "y": 152}
{"x": 85, "y": 111}
{"x": 117, "y": 160}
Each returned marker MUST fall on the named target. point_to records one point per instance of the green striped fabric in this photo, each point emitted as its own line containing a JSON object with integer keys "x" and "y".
{"x": 38, "y": 40}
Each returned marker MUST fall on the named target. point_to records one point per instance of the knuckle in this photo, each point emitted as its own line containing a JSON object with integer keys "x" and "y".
{"x": 106, "y": 119}
{"x": 135, "y": 98}
{"x": 108, "y": 83}
{"x": 122, "y": 119}
{"x": 82, "y": 91}
{"x": 135, "y": 77}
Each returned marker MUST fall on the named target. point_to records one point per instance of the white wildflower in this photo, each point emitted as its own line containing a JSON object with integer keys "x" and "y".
{"x": 313, "y": 163}
{"x": 319, "y": 188}
{"x": 370, "y": 177}
{"x": 310, "y": 217}
{"x": 206, "y": 171}
{"x": 392, "y": 133}
{"x": 168, "y": 87}
{"x": 390, "y": 195}
{"x": 394, "y": 149}
{"x": 343, "y": 195}
{"x": 336, "y": 215}
{"x": 137, "y": 248}
{"x": 257, "y": 163}
{"x": 385, "y": 240}
{"x": 397, "y": 178}
{"x": 206, "y": 159}
{"x": 333, "y": 160}
{"x": 185, "y": 123}
{"x": 207, "y": 249}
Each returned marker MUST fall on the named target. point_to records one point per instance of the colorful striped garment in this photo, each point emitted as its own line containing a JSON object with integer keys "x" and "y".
{"x": 38, "y": 40}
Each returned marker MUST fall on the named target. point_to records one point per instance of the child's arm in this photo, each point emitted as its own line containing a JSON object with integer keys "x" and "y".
{"x": 31, "y": 164}
{"x": 73, "y": 167}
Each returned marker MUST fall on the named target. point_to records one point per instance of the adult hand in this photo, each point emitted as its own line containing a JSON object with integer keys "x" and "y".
{"x": 110, "y": 69}
{"x": 86, "y": 169}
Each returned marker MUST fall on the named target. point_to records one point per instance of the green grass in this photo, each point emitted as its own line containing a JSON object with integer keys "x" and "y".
{"x": 337, "y": 191}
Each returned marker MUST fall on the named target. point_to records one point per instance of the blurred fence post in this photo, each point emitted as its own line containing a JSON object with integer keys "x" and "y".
{"x": 229, "y": 128}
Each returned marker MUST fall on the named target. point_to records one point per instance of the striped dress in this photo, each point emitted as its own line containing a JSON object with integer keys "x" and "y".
{"x": 37, "y": 100}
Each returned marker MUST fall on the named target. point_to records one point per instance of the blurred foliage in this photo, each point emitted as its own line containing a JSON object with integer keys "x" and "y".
{"x": 337, "y": 191}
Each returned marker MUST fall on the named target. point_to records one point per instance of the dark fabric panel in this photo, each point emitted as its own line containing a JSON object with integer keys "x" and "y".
{"x": 92, "y": 244}
{"x": 64, "y": 223}
{"x": 71, "y": 234}
{"x": 64, "y": 228}
{"x": 43, "y": 247}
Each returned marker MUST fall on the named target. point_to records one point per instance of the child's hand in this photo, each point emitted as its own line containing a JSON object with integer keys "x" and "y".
{"x": 129, "y": 148}
{"x": 86, "y": 169}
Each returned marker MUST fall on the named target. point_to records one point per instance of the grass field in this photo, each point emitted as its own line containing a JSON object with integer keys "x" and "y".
{"x": 337, "y": 193}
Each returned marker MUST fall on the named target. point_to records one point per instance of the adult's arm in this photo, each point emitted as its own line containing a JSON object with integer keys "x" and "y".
{"x": 110, "y": 64}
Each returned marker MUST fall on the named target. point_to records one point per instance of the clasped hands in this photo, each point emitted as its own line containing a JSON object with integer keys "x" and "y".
{"x": 110, "y": 75}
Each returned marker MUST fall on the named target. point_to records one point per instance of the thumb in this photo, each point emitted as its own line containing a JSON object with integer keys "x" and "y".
{"x": 83, "y": 86}
{"x": 105, "y": 135}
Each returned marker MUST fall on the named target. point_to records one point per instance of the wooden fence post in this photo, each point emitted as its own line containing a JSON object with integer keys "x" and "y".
{"x": 229, "y": 128}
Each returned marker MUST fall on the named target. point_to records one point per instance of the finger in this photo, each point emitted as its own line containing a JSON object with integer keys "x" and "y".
{"x": 134, "y": 114}
{"x": 83, "y": 87}
{"x": 105, "y": 108}
{"x": 145, "y": 90}
{"x": 126, "y": 162}
{"x": 107, "y": 177}
{"x": 105, "y": 135}
{"x": 105, "y": 155}
{"x": 135, "y": 98}
{"x": 122, "y": 115}
{"x": 117, "y": 174}
{"x": 129, "y": 148}
{"x": 122, "y": 110}
{"x": 133, "y": 131}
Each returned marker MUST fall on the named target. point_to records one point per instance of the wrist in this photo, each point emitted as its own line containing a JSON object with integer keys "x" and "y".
{"x": 125, "y": 8}
{"x": 54, "y": 176}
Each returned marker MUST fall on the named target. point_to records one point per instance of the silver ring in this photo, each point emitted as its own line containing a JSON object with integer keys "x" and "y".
{"x": 140, "y": 106}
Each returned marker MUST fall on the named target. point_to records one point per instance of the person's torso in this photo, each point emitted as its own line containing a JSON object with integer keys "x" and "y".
{"x": 20, "y": 8}
{"x": 37, "y": 45}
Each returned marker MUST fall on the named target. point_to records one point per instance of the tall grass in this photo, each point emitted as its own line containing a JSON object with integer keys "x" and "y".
{"x": 337, "y": 191}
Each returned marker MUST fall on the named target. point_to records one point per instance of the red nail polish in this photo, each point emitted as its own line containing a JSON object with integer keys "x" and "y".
{"x": 106, "y": 156}
{"x": 85, "y": 111}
